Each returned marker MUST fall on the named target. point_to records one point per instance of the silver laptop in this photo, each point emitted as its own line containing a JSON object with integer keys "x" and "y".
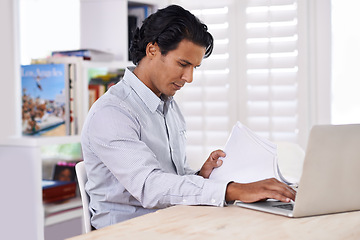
{"x": 330, "y": 181}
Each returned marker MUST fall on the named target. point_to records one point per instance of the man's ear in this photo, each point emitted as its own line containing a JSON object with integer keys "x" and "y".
{"x": 152, "y": 49}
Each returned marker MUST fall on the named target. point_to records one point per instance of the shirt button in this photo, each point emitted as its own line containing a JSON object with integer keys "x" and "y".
{"x": 213, "y": 200}
{"x": 184, "y": 200}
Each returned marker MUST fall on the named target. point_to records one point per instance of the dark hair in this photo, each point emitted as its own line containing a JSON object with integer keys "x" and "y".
{"x": 168, "y": 27}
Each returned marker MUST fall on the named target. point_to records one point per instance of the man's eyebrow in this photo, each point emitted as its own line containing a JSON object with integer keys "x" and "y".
{"x": 189, "y": 63}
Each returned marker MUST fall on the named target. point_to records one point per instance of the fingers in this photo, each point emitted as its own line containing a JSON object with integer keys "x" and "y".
{"x": 212, "y": 162}
{"x": 215, "y": 155}
{"x": 257, "y": 191}
{"x": 278, "y": 196}
{"x": 279, "y": 190}
{"x": 214, "y": 158}
{"x": 287, "y": 191}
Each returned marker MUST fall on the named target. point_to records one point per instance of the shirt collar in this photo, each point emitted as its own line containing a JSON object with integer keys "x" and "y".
{"x": 149, "y": 98}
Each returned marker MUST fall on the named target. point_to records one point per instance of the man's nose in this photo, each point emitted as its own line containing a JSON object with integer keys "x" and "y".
{"x": 188, "y": 75}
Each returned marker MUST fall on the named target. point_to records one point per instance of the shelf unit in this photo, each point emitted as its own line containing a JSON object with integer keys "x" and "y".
{"x": 109, "y": 35}
{"x": 82, "y": 81}
{"x": 25, "y": 215}
{"x": 64, "y": 211}
{"x": 23, "y": 206}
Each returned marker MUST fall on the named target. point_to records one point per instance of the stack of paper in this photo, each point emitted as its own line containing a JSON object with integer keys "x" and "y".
{"x": 249, "y": 158}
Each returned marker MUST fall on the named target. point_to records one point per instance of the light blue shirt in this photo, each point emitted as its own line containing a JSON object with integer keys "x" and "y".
{"x": 133, "y": 146}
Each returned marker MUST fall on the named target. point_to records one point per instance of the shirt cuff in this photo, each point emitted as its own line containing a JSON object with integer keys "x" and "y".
{"x": 214, "y": 192}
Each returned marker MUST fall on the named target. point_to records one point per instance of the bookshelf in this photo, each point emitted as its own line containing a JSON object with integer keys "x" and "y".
{"x": 109, "y": 13}
{"x": 25, "y": 215}
{"x": 83, "y": 68}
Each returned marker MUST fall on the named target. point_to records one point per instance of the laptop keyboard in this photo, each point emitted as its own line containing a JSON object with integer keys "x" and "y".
{"x": 287, "y": 206}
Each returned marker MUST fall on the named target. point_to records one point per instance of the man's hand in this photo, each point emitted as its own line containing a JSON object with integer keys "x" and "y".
{"x": 259, "y": 191}
{"x": 212, "y": 162}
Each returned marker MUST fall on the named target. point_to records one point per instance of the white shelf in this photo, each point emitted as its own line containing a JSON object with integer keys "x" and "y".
{"x": 63, "y": 216}
{"x": 52, "y": 208}
{"x": 113, "y": 64}
{"x": 150, "y": 2}
{"x": 28, "y": 141}
{"x": 63, "y": 211}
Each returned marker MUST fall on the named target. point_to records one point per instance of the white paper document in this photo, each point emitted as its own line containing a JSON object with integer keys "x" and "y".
{"x": 249, "y": 158}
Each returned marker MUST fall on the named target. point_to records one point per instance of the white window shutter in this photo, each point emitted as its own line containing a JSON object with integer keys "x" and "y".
{"x": 255, "y": 74}
{"x": 271, "y": 68}
{"x": 206, "y": 101}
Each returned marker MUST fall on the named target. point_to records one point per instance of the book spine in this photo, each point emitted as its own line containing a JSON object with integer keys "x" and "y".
{"x": 67, "y": 99}
{"x": 72, "y": 97}
{"x": 61, "y": 192}
{"x": 58, "y": 198}
{"x": 95, "y": 91}
{"x": 79, "y": 53}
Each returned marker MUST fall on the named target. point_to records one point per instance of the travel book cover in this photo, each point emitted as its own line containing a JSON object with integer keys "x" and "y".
{"x": 45, "y": 100}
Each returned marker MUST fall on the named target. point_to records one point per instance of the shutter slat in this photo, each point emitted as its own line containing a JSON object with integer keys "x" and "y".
{"x": 251, "y": 3}
{"x": 277, "y": 47}
{"x": 265, "y": 63}
{"x": 267, "y": 32}
{"x": 276, "y": 16}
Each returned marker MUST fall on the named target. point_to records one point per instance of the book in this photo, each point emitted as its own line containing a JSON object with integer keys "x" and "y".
{"x": 249, "y": 158}
{"x": 64, "y": 171}
{"x": 95, "y": 91}
{"x": 132, "y": 25}
{"x": 72, "y": 100}
{"x": 140, "y": 12}
{"x": 45, "y": 100}
{"x": 100, "y": 82}
{"x": 136, "y": 15}
{"x": 73, "y": 65}
{"x": 54, "y": 191}
{"x": 86, "y": 54}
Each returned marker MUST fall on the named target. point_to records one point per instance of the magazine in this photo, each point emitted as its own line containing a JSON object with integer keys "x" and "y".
{"x": 45, "y": 99}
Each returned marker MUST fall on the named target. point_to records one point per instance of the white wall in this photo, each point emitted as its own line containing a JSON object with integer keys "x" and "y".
{"x": 345, "y": 64}
{"x": 10, "y": 72}
{"x": 319, "y": 30}
{"x": 22, "y": 214}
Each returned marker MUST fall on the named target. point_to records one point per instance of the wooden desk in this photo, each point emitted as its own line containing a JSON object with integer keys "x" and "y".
{"x": 202, "y": 222}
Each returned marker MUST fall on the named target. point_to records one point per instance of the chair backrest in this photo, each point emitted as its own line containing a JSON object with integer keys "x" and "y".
{"x": 82, "y": 178}
{"x": 290, "y": 160}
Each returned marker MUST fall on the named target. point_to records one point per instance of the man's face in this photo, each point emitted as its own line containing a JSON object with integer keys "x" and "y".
{"x": 170, "y": 72}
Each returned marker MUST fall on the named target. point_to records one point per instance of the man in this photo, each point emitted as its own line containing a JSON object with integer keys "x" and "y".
{"x": 133, "y": 139}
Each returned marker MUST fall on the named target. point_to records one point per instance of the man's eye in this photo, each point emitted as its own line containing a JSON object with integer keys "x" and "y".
{"x": 183, "y": 64}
